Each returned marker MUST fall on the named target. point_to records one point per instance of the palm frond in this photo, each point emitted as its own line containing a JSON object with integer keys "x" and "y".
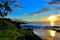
{"x": 5, "y": 4}
{"x": 0, "y": 13}
{"x": 1, "y": 5}
{"x": 7, "y": 8}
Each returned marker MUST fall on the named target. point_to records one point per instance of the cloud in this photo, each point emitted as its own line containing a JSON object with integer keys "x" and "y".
{"x": 48, "y": 0}
{"x": 17, "y": 6}
{"x": 58, "y": 16}
{"x": 43, "y": 11}
{"x": 38, "y": 12}
{"x": 54, "y": 3}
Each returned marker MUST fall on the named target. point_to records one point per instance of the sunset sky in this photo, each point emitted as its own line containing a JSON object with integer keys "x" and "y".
{"x": 35, "y": 10}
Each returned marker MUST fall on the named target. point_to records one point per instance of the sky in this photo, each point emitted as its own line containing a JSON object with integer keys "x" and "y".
{"x": 34, "y": 10}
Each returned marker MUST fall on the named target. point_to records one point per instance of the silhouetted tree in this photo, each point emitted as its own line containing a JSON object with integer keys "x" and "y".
{"x": 0, "y": 13}
{"x": 5, "y": 9}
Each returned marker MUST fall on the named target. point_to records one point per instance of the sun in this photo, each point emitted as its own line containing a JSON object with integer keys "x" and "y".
{"x": 52, "y": 18}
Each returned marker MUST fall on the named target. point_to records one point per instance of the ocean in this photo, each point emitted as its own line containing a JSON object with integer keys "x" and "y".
{"x": 39, "y": 24}
{"x": 44, "y": 29}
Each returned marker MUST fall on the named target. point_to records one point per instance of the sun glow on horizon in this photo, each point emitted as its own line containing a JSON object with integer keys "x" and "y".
{"x": 52, "y": 19}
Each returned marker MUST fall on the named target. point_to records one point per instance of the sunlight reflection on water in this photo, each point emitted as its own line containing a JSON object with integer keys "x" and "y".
{"x": 52, "y": 23}
{"x": 47, "y": 34}
{"x": 52, "y": 33}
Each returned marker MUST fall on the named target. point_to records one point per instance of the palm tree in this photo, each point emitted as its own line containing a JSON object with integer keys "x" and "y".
{"x": 5, "y": 9}
{"x": 0, "y": 13}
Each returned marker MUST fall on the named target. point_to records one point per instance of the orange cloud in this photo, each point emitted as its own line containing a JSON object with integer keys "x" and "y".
{"x": 42, "y": 11}
{"x": 46, "y": 19}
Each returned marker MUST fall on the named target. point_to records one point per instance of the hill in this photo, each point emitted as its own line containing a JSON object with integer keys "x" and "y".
{"x": 9, "y": 31}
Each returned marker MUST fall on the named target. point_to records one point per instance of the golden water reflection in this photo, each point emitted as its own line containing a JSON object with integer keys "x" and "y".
{"x": 52, "y": 23}
{"x": 52, "y": 33}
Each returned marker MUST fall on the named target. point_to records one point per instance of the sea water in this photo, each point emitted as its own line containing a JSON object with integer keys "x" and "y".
{"x": 39, "y": 24}
{"x": 42, "y": 28}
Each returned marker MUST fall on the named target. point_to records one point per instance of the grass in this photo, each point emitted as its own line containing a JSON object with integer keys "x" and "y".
{"x": 9, "y": 31}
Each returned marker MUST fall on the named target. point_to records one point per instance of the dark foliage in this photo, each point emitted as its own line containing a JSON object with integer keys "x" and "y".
{"x": 35, "y": 37}
{"x": 29, "y": 37}
{"x": 5, "y": 9}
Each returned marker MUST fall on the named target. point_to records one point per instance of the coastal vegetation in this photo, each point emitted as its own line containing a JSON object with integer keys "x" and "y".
{"x": 9, "y": 31}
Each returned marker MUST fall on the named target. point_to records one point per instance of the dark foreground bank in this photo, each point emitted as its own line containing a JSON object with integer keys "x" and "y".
{"x": 10, "y": 30}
